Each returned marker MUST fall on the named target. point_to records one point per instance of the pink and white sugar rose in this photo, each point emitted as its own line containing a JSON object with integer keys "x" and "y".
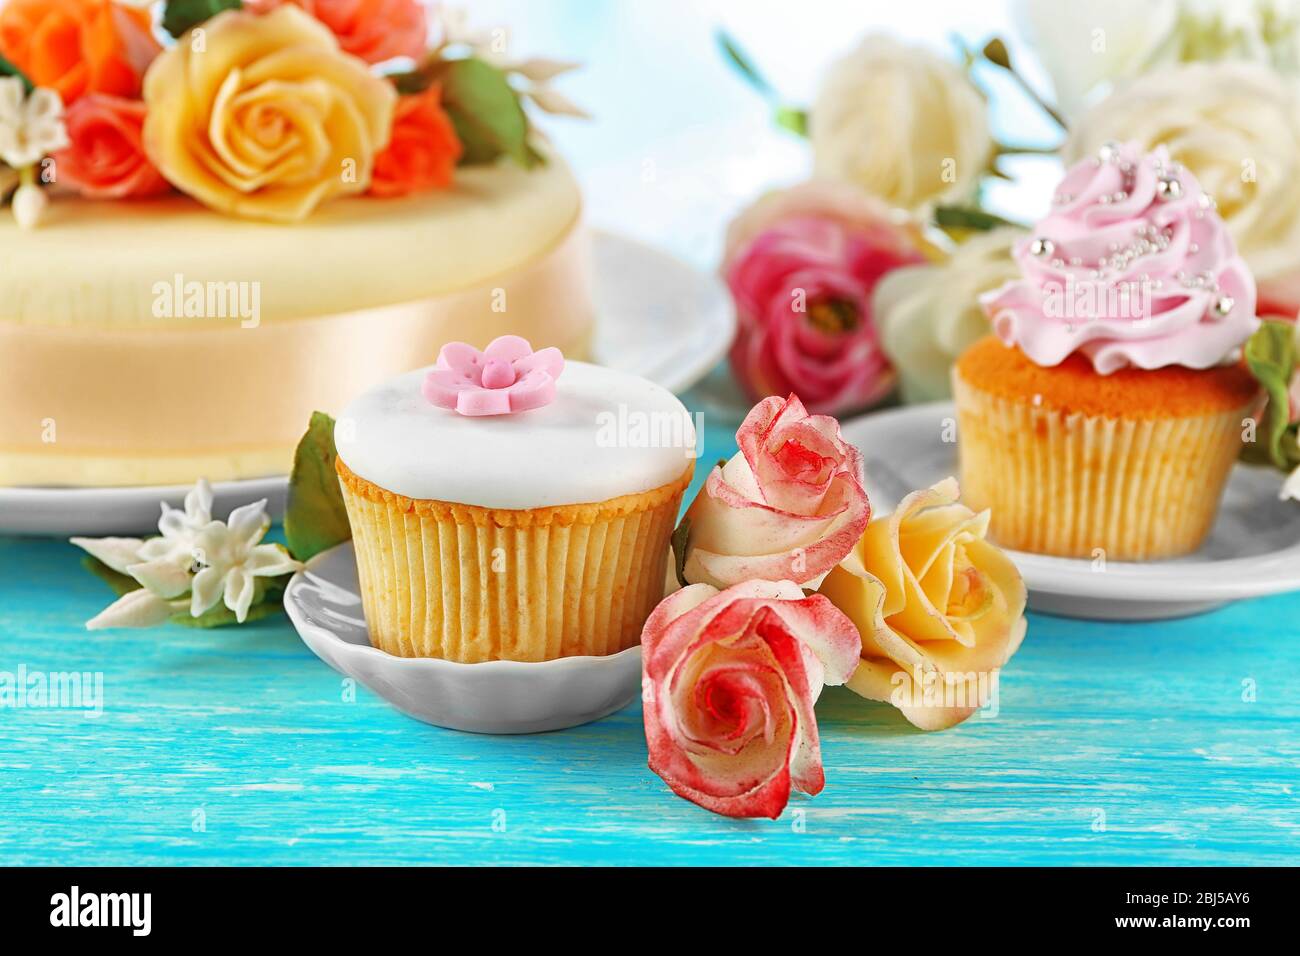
{"x": 802, "y": 264}
{"x": 731, "y": 678}
{"x": 788, "y": 506}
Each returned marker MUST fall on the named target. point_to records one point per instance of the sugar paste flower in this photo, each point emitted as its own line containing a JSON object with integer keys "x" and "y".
{"x": 730, "y": 681}
{"x": 195, "y": 564}
{"x": 507, "y": 376}
{"x": 788, "y": 506}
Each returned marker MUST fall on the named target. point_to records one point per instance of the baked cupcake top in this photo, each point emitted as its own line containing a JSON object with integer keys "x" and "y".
{"x": 514, "y": 429}
{"x": 1132, "y": 268}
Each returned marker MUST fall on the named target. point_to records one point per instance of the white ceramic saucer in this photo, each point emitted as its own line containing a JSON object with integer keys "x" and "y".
{"x": 657, "y": 317}
{"x": 95, "y": 512}
{"x": 1253, "y": 549}
{"x": 496, "y": 697}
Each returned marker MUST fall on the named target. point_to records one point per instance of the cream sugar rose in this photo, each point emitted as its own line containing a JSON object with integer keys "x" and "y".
{"x": 492, "y": 516}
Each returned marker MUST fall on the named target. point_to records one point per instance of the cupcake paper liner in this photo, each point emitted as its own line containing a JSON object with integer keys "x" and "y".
{"x": 473, "y": 584}
{"x": 1086, "y": 486}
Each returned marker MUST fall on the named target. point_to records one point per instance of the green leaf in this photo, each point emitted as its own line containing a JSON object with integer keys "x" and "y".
{"x": 486, "y": 112}
{"x": 793, "y": 119}
{"x": 315, "y": 518}
{"x": 8, "y": 69}
{"x": 119, "y": 582}
{"x": 182, "y": 15}
{"x": 965, "y": 218}
{"x": 1270, "y": 355}
{"x": 744, "y": 66}
{"x": 411, "y": 82}
{"x": 681, "y": 537}
{"x": 268, "y": 599}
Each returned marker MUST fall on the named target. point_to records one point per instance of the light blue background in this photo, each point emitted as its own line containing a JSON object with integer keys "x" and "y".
{"x": 1170, "y": 742}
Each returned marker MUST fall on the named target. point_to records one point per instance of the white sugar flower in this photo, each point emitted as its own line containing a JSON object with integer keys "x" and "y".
{"x": 164, "y": 564}
{"x": 28, "y": 205}
{"x": 231, "y": 559}
{"x": 31, "y": 125}
{"x": 486, "y": 43}
{"x": 1291, "y": 487}
{"x": 192, "y": 565}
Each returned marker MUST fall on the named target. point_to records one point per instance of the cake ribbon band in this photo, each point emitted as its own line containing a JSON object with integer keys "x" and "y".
{"x": 149, "y": 405}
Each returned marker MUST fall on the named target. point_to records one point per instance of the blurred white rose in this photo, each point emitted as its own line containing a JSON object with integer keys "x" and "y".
{"x": 927, "y": 315}
{"x": 1086, "y": 45}
{"x": 1090, "y": 48}
{"x": 1236, "y": 126}
{"x": 1263, "y": 31}
{"x": 903, "y": 123}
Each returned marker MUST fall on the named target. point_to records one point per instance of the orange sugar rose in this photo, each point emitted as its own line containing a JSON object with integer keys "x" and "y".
{"x": 78, "y": 46}
{"x": 374, "y": 30}
{"x": 105, "y": 158}
{"x": 423, "y": 150}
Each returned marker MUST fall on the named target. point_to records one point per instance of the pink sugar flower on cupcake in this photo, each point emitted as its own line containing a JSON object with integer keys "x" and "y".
{"x": 507, "y": 376}
{"x": 802, "y": 265}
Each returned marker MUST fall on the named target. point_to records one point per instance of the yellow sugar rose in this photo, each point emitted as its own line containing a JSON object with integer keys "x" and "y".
{"x": 939, "y": 608}
{"x": 264, "y": 116}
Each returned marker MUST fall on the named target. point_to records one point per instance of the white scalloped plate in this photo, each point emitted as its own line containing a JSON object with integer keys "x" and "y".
{"x": 1253, "y": 549}
{"x": 495, "y": 697}
{"x": 657, "y": 317}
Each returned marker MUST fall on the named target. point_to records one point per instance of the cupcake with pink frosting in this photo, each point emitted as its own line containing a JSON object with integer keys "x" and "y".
{"x": 1105, "y": 413}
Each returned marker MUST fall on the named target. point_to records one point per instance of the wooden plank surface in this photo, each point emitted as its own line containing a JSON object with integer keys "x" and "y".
{"x": 1171, "y": 742}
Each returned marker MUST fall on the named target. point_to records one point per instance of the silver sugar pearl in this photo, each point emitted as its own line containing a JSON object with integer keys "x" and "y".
{"x": 1223, "y": 305}
{"x": 1168, "y": 189}
{"x": 1042, "y": 247}
{"x": 1108, "y": 152}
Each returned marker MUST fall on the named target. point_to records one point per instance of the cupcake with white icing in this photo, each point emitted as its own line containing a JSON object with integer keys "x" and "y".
{"x": 507, "y": 505}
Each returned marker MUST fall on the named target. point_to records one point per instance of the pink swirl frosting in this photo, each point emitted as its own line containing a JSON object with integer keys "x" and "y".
{"x": 1132, "y": 267}
{"x": 507, "y": 376}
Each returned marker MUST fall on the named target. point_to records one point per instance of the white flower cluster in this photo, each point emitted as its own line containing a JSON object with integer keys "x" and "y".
{"x": 195, "y": 564}
{"x": 31, "y": 128}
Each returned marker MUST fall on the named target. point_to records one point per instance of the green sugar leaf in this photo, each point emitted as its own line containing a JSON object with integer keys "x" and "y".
{"x": 681, "y": 537}
{"x": 8, "y": 69}
{"x": 182, "y": 15}
{"x": 486, "y": 112}
{"x": 315, "y": 517}
{"x": 1270, "y": 355}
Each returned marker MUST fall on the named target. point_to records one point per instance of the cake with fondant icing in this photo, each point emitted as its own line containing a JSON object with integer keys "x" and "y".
{"x": 509, "y": 505}
{"x": 213, "y": 239}
{"x": 1104, "y": 416}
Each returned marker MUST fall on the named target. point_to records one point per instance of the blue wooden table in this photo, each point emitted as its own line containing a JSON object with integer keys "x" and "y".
{"x": 1174, "y": 742}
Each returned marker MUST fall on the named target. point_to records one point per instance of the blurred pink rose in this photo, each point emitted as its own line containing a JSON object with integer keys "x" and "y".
{"x": 374, "y": 30}
{"x": 788, "y": 506}
{"x": 802, "y": 264}
{"x": 730, "y": 680}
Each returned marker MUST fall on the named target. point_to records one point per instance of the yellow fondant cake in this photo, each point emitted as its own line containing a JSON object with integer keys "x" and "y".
{"x": 154, "y": 341}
